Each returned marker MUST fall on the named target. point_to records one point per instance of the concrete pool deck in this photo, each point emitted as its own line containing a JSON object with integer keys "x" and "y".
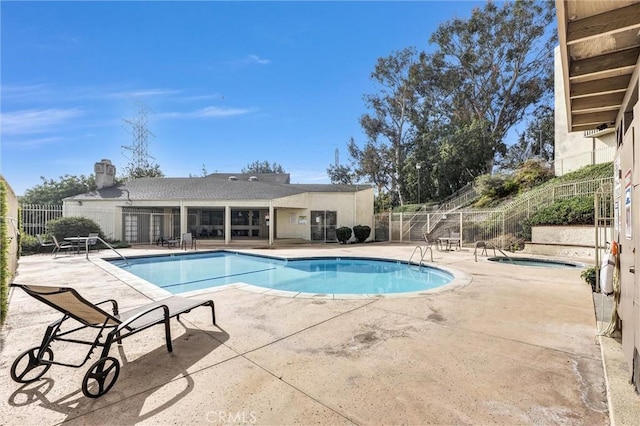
{"x": 515, "y": 345}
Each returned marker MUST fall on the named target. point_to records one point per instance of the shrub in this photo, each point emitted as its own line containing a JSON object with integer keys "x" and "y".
{"x": 28, "y": 244}
{"x": 72, "y": 227}
{"x": 532, "y": 173}
{"x": 361, "y": 232}
{"x": 571, "y": 211}
{"x": 589, "y": 276}
{"x": 343, "y": 234}
{"x": 494, "y": 187}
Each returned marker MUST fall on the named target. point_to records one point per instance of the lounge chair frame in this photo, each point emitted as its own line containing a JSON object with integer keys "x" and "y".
{"x": 113, "y": 327}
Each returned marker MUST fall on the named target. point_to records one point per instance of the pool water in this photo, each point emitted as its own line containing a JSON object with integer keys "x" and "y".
{"x": 189, "y": 272}
{"x": 540, "y": 263}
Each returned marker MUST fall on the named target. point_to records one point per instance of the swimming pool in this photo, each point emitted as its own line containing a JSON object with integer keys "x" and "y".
{"x": 319, "y": 275}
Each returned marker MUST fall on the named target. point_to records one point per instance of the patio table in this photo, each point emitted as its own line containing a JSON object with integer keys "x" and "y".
{"x": 76, "y": 243}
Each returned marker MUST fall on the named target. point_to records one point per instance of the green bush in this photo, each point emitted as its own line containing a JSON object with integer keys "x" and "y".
{"x": 343, "y": 234}
{"x": 29, "y": 245}
{"x": 571, "y": 211}
{"x": 589, "y": 276}
{"x": 72, "y": 227}
{"x": 493, "y": 187}
{"x": 5, "y": 273}
{"x": 531, "y": 174}
{"x": 361, "y": 232}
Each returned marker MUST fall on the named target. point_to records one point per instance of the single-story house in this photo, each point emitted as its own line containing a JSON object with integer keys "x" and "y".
{"x": 224, "y": 206}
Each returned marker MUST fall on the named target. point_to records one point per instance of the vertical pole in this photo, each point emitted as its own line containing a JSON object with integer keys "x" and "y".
{"x": 272, "y": 221}
{"x": 460, "y": 230}
{"x": 401, "y": 225}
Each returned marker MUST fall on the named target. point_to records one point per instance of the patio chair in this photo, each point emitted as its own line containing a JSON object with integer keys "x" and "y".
{"x": 65, "y": 245}
{"x": 42, "y": 243}
{"x": 102, "y": 375}
{"x": 187, "y": 239}
{"x": 455, "y": 240}
{"x": 92, "y": 240}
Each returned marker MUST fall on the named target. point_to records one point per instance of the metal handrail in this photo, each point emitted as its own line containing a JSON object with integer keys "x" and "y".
{"x": 422, "y": 254}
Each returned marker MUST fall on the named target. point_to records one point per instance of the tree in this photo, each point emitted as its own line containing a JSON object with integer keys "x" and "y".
{"x": 537, "y": 141}
{"x": 388, "y": 127}
{"x": 449, "y": 110}
{"x": 263, "y": 167}
{"x": 340, "y": 174}
{"x": 497, "y": 65}
{"x": 53, "y": 192}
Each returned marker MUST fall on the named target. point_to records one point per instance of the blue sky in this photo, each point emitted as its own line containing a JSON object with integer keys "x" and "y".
{"x": 226, "y": 83}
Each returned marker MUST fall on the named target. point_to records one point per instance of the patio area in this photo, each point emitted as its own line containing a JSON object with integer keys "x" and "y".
{"x": 512, "y": 345}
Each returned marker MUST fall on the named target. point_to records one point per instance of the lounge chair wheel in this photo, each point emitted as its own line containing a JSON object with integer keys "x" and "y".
{"x": 101, "y": 377}
{"x": 26, "y": 368}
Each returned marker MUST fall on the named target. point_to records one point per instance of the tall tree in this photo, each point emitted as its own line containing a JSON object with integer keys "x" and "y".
{"x": 263, "y": 167}
{"x": 497, "y": 65}
{"x": 340, "y": 174}
{"x": 537, "y": 141}
{"x": 388, "y": 127}
{"x": 52, "y": 191}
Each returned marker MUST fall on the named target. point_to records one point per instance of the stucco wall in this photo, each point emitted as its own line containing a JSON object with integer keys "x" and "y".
{"x": 354, "y": 208}
{"x": 574, "y": 150}
{"x": 573, "y": 235}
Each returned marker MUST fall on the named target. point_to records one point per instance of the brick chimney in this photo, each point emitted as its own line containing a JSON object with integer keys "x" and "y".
{"x": 105, "y": 173}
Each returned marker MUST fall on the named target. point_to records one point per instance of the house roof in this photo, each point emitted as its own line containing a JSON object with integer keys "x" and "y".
{"x": 600, "y": 46}
{"x": 263, "y": 177}
{"x": 207, "y": 188}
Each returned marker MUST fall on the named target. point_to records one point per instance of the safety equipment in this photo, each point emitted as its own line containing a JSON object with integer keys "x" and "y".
{"x": 606, "y": 269}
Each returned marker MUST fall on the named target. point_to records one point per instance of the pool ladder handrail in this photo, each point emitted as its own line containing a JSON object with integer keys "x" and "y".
{"x": 423, "y": 251}
{"x": 490, "y": 246}
{"x": 106, "y": 244}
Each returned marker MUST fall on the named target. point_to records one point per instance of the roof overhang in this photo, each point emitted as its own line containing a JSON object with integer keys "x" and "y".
{"x": 599, "y": 49}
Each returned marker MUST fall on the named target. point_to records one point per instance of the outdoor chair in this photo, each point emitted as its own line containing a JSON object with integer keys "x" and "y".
{"x": 92, "y": 240}
{"x": 42, "y": 243}
{"x": 65, "y": 245}
{"x": 188, "y": 239}
{"x": 102, "y": 375}
{"x": 454, "y": 240}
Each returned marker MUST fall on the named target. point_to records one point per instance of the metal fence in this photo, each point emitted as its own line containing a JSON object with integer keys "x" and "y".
{"x": 504, "y": 226}
{"x": 135, "y": 226}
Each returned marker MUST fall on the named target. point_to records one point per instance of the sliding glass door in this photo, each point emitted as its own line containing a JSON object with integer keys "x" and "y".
{"x": 323, "y": 225}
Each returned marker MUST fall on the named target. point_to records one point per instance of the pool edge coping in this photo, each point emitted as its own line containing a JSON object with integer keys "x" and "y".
{"x": 460, "y": 280}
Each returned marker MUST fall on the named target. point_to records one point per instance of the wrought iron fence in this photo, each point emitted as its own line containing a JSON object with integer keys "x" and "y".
{"x": 135, "y": 226}
{"x": 504, "y": 226}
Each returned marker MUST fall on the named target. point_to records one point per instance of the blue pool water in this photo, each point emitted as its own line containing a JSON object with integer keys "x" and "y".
{"x": 540, "y": 263}
{"x": 182, "y": 273}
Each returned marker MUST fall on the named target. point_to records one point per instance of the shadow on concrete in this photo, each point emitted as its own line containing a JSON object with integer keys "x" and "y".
{"x": 143, "y": 375}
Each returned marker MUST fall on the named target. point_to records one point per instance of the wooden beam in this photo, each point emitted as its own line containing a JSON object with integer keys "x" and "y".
{"x": 607, "y": 23}
{"x": 625, "y": 60}
{"x": 600, "y": 87}
{"x": 561, "y": 14}
{"x": 608, "y": 102}
{"x": 596, "y": 118}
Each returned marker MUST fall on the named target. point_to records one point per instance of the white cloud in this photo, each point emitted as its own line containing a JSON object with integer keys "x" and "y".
{"x": 144, "y": 93}
{"x": 255, "y": 59}
{"x": 34, "y": 143}
{"x": 208, "y": 112}
{"x": 35, "y": 120}
{"x": 25, "y": 92}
